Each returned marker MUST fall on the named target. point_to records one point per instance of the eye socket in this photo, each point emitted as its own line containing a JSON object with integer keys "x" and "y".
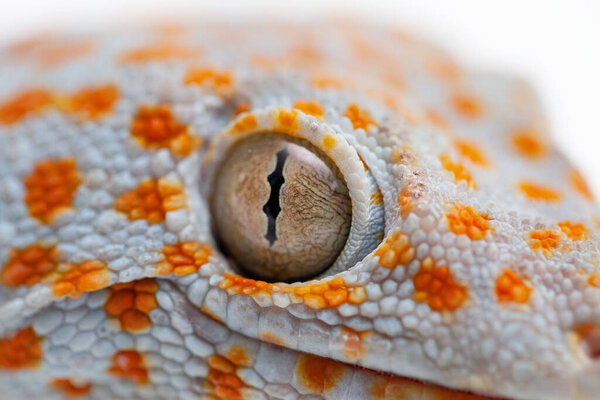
{"x": 281, "y": 207}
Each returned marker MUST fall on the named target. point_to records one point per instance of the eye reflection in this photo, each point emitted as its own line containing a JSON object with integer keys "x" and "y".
{"x": 281, "y": 207}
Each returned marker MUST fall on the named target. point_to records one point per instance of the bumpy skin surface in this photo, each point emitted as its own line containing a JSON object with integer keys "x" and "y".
{"x": 112, "y": 285}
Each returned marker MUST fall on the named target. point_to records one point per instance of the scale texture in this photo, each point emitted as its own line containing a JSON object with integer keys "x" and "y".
{"x": 484, "y": 282}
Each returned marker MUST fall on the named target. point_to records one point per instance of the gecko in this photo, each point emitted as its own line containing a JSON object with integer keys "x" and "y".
{"x": 271, "y": 210}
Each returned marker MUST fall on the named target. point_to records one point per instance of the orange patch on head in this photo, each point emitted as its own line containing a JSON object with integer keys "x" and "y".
{"x": 397, "y": 388}
{"x": 131, "y": 303}
{"x": 594, "y": 280}
{"x": 396, "y": 250}
{"x": 93, "y": 102}
{"x": 238, "y": 355}
{"x": 156, "y": 127}
{"x": 184, "y": 258}
{"x": 329, "y": 142}
{"x": 472, "y": 152}
{"x": 436, "y": 286}
{"x": 71, "y": 388}
{"x": 50, "y": 188}
{"x": 129, "y": 364}
{"x": 286, "y": 119}
{"x": 376, "y": 197}
{"x": 461, "y": 173}
{"x": 467, "y": 106}
{"x": 29, "y": 265}
{"x": 311, "y": 107}
{"x": 88, "y": 276}
{"x": 466, "y": 220}
{"x": 535, "y": 191}
{"x": 24, "y": 103}
{"x": 152, "y": 199}
{"x": 544, "y": 240}
{"x": 221, "y": 81}
{"x": 528, "y": 143}
{"x": 580, "y": 185}
{"x": 21, "y": 350}
{"x": 223, "y": 379}
{"x": 60, "y": 53}
{"x": 163, "y": 51}
{"x": 317, "y": 374}
{"x": 243, "y": 124}
{"x": 573, "y": 231}
{"x": 360, "y": 118}
{"x": 511, "y": 288}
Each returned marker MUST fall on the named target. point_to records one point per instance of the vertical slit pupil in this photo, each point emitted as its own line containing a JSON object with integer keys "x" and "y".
{"x": 271, "y": 207}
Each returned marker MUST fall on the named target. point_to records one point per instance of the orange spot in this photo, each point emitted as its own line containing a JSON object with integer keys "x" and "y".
{"x": 594, "y": 280}
{"x": 544, "y": 240}
{"x": 23, "y": 104}
{"x": 360, "y": 118}
{"x": 29, "y": 265}
{"x": 352, "y": 347}
{"x": 461, "y": 173}
{"x": 61, "y": 53}
{"x": 510, "y": 287}
{"x": 93, "y": 102}
{"x": 317, "y": 374}
{"x": 331, "y": 293}
{"x": 311, "y": 107}
{"x": 287, "y": 121}
{"x": 528, "y": 143}
{"x": 580, "y": 185}
{"x": 397, "y": 388}
{"x": 467, "y": 106}
{"x": 221, "y": 81}
{"x": 437, "y": 119}
{"x": 435, "y": 286}
{"x": 238, "y": 355}
{"x": 21, "y": 350}
{"x": 326, "y": 81}
{"x": 152, "y": 199}
{"x": 573, "y": 231}
{"x": 155, "y": 127}
{"x": 129, "y": 364}
{"x": 405, "y": 201}
{"x": 223, "y": 379}
{"x": 241, "y": 108}
{"x": 465, "y": 220}
{"x": 244, "y": 124}
{"x": 184, "y": 258}
{"x": 376, "y": 197}
{"x": 329, "y": 141}
{"x": 51, "y": 187}
{"x": 88, "y": 276}
{"x": 472, "y": 152}
{"x": 131, "y": 303}
{"x": 163, "y": 51}
{"x": 396, "y": 250}
{"x": 539, "y": 192}
{"x": 71, "y": 388}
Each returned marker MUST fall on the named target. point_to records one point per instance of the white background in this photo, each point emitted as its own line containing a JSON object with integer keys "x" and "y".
{"x": 553, "y": 43}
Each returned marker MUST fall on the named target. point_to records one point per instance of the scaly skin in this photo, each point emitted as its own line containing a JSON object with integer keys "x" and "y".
{"x": 112, "y": 285}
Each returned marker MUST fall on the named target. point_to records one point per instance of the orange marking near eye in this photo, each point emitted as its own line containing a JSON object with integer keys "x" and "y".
{"x": 155, "y": 127}
{"x": 436, "y": 286}
{"x": 88, "y": 276}
{"x": 184, "y": 258}
{"x": 511, "y": 288}
{"x": 396, "y": 250}
{"x": 329, "y": 141}
{"x": 21, "y": 350}
{"x": 23, "y": 104}
{"x": 594, "y": 280}
{"x": 311, "y": 107}
{"x": 223, "y": 379}
{"x": 317, "y": 374}
{"x": 360, "y": 118}
{"x": 466, "y": 220}
{"x": 580, "y": 185}
{"x": 93, "y": 102}
{"x": 60, "y": 53}
{"x": 405, "y": 200}
{"x": 376, "y": 197}
{"x": 50, "y": 188}
{"x": 287, "y": 121}
{"x": 472, "y": 152}
{"x": 238, "y": 355}
{"x": 29, "y": 265}
{"x": 221, "y": 81}
{"x": 129, "y": 364}
{"x": 331, "y": 293}
{"x": 544, "y": 240}
{"x": 243, "y": 124}
{"x": 468, "y": 106}
{"x": 539, "y": 192}
{"x": 241, "y": 108}
{"x": 163, "y": 51}
{"x": 573, "y": 231}
{"x": 528, "y": 143}
{"x": 71, "y": 388}
{"x": 152, "y": 199}
{"x": 461, "y": 173}
{"x": 131, "y": 303}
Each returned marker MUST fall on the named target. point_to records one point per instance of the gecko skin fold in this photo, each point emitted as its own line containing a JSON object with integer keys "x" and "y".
{"x": 471, "y": 265}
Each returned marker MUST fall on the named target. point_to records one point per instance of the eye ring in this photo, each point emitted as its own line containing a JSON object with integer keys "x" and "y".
{"x": 367, "y": 216}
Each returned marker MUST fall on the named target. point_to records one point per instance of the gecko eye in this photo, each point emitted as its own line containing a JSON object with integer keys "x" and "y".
{"x": 281, "y": 207}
